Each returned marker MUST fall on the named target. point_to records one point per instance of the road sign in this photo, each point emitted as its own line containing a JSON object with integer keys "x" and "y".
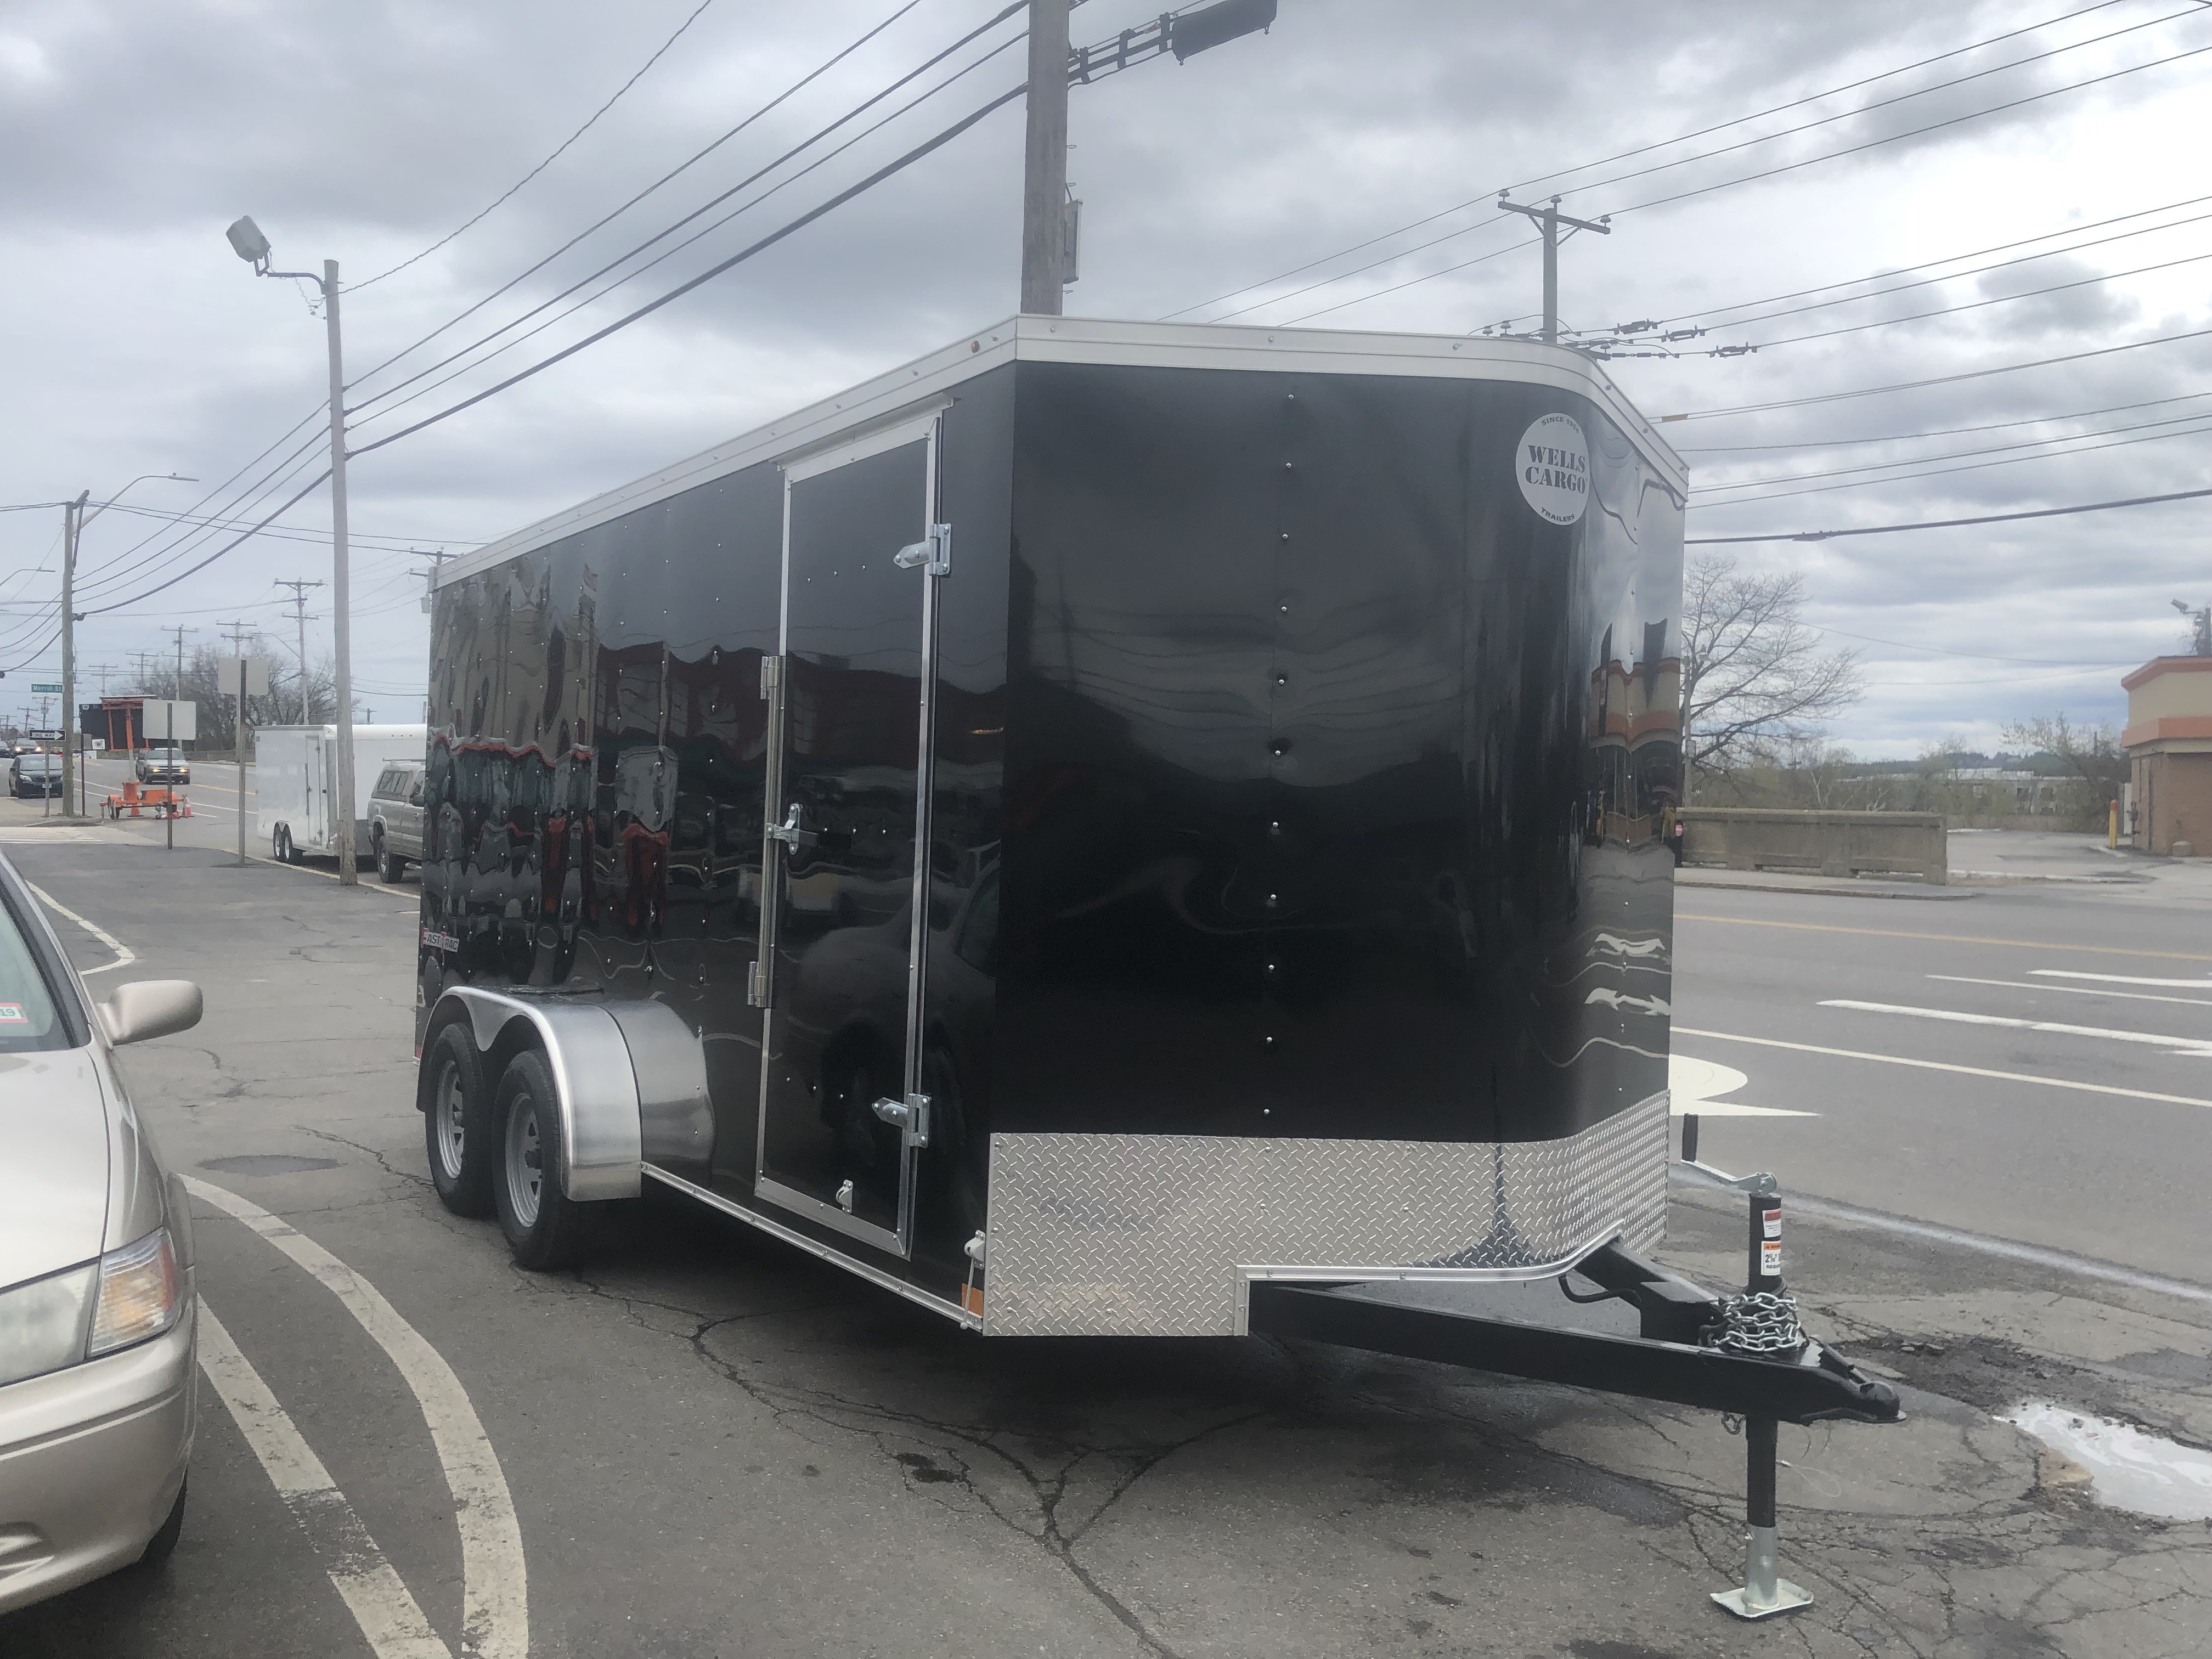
{"x": 53, "y": 690}
{"x": 171, "y": 720}
{"x": 255, "y": 670}
{"x": 45, "y": 737}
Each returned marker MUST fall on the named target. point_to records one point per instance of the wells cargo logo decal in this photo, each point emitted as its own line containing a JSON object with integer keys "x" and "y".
{"x": 1552, "y": 464}
{"x": 434, "y": 940}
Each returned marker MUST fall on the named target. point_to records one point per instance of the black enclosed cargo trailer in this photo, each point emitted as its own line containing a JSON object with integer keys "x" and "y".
{"x": 1100, "y": 818}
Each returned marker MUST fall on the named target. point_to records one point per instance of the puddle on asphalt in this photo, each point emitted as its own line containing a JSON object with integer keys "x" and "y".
{"x": 2128, "y": 1469}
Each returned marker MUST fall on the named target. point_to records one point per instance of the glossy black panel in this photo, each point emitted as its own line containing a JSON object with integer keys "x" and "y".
{"x": 852, "y": 704}
{"x": 1322, "y": 820}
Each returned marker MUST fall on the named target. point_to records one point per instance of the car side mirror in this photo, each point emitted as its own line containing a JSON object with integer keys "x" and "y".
{"x": 150, "y": 1008}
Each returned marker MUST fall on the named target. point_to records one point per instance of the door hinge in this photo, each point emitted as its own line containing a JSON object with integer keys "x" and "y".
{"x": 911, "y": 1115}
{"x": 756, "y": 985}
{"x": 771, "y": 675}
{"x": 934, "y": 553}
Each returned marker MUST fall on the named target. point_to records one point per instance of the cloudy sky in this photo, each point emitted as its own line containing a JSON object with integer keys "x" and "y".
{"x": 1781, "y": 176}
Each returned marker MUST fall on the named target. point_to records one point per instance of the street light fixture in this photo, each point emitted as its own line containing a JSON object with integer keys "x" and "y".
{"x": 250, "y": 244}
{"x": 73, "y": 520}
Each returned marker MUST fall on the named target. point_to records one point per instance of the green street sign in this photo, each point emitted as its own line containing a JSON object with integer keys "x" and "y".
{"x": 54, "y": 690}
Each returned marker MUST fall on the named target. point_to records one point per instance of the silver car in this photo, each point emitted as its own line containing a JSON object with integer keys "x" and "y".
{"x": 98, "y": 1386}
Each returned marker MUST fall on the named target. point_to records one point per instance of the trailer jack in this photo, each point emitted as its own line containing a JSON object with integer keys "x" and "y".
{"x": 1740, "y": 1355}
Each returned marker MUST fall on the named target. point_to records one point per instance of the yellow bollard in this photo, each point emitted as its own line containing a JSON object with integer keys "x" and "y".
{"x": 2113, "y": 827}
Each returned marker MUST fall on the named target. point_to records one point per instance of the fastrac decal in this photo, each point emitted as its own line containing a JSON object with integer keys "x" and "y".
{"x": 1552, "y": 464}
{"x": 433, "y": 940}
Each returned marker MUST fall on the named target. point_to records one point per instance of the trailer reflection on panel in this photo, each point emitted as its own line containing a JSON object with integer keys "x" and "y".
{"x": 1109, "y": 829}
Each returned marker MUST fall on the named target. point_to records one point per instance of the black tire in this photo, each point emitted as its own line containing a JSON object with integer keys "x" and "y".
{"x": 459, "y": 1140}
{"x": 389, "y": 869}
{"x": 164, "y": 1541}
{"x": 545, "y": 1229}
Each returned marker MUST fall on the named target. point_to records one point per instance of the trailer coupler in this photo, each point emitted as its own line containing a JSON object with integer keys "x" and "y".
{"x": 1682, "y": 1353}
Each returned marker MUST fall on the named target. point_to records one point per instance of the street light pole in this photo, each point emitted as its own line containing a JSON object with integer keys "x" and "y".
{"x": 348, "y": 875}
{"x": 249, "y": 244}
{"x": 72, "y": 523}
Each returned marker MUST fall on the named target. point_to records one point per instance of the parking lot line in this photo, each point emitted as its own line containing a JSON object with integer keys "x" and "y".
{"x": 389, "y": 1616}
{"x": 495, "y": 1586}
{"x": 1945, "y": 1065}
{"x": 2083, "y": 990}
{"x": 124, "y": 956}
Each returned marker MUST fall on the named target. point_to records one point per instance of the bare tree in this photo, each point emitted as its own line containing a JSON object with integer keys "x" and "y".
{"x": 1754, "y": 676}
{"x": 2092, "y": 753}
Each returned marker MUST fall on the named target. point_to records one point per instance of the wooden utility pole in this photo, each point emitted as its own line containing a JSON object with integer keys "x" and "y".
{"x": 1548, "y": 220}
{"x": 1044, "y": 170}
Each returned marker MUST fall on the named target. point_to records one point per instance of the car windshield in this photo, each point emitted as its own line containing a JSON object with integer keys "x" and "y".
{"x": 28, "y": 1019}
{"x": 40, "y": 763}
{"x": 164, "y": 756}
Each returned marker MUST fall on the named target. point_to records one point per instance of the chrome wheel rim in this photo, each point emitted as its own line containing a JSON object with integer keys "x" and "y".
{"x": 525, "y": 1166}
{"x": 448, "y": 1111}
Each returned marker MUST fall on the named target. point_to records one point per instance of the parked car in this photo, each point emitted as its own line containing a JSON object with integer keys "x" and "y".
{"x": 98, "y": 1338}
{"x": 162, "y": 765}
{"x": 35, "y": 773}
{"x": 395, "y": 819}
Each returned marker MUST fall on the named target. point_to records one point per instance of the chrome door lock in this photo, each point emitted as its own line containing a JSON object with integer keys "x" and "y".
{"x": 792, "y": 832}
{"x": 910, "y": 1116}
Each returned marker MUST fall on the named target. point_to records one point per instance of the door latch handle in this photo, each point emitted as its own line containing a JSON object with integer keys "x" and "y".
{"x": 792, "y": 832}
{"x": 934, "y": 553}
{"x": 910, "y": 1115}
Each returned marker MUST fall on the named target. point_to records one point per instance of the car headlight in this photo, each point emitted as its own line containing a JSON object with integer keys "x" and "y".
{"x": 42, "y": 1323}
{"x": 140, "y": 1292}
{"x": 128, "y": 1296}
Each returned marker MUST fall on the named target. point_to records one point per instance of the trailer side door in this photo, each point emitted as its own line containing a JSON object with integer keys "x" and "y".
{"x": 845, "y": 859}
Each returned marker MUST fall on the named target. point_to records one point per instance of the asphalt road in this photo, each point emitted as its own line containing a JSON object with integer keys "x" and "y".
{"x": 706, "y": 1444}
{"x": 2095, "y": 1139}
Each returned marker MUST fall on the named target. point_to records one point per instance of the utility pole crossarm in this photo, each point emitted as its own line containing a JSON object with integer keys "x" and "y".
{"x": 1548, "y": 219}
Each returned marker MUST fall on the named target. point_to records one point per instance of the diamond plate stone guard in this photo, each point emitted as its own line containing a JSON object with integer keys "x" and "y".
{"x": 1145, "y": 1235}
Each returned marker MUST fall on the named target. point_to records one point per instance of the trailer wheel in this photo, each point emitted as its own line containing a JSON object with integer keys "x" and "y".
{"x": 457, "y": 1123}
{"x": 545, "y": 1229}
{"x": 280, "y": 845}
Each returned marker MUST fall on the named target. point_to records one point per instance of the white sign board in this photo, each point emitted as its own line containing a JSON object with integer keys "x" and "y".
{"x": 256, "y": 671}
{"x": 171, "y": 720}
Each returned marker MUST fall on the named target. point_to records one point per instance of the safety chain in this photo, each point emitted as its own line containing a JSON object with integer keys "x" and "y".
{"x": 1758, "y": 1322}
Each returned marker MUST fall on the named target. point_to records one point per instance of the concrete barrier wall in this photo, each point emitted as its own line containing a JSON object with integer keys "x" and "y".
{"x": 1817, "y": 843}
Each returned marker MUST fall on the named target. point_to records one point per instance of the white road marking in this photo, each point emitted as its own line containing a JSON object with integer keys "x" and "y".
{"x": 2123, "y": 978}
{"x": 124, "y": 956}
{"x": 2078, "y": 990}
{"x": 1631, "y": 947}
{"x": 2153, "y": 1039}
{"x": 389, "y": 1616}
{"x": 1945, "y": 1065}
{"x": 1691, "y": 1085}
{"x": 495, "y": 1586}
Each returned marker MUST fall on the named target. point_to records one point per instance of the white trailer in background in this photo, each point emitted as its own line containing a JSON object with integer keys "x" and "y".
{"x": 295, "y": 783}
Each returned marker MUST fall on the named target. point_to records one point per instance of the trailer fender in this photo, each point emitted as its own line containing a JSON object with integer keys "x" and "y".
{"x": 597, "y": 1085}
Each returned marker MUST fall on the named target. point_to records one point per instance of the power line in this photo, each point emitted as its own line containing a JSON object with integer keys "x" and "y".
{"x": 1976, "y": 466}
{"x": 550, "y": 159}
{"x": 1791, "y": 167}
{"x": 1630, "y": 154}
{"x": 687, "y": 219}
{"x": 1940, "y": 380}
{"x": 313, "y": 484}
{"x": 1947, "y": 524}
{"x": 807, "y": 218}
{"x": 2044, "y": 444}
{"x": 667, "y": 254}
{"x": 1936, "y": 432}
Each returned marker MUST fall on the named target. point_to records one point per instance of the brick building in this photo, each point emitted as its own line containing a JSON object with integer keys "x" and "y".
{"x": 2169, "y": 743}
